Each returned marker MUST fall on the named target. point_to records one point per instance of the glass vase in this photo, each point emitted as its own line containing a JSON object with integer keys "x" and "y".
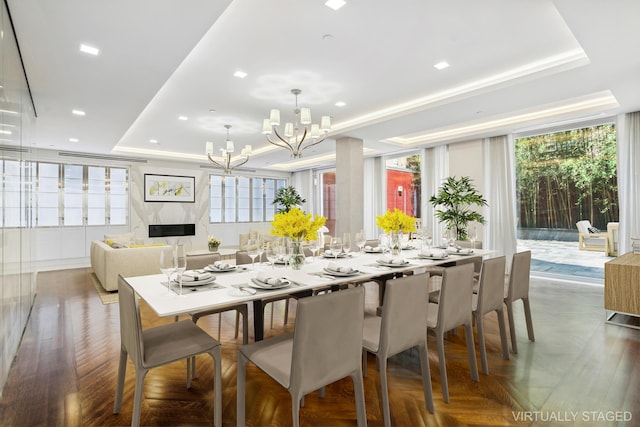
{"x": 395, "y": 243}
{"x": 296, "y": 257}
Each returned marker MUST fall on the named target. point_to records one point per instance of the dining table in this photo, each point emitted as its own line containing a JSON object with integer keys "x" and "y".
{"x": 234, "y": 285}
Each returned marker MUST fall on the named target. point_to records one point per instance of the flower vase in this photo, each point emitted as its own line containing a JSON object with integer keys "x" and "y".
{"x": 213, "y": 248}
{"x": 296, "y": 258}
{"x": 395, "y": 242}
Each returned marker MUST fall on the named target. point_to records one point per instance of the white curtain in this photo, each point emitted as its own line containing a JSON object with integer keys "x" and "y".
{"x": 375, "y": 188}
{"x": 434, "y": 169}
{"x": 499, "y": 187}
{"x": 302, "y": 181}
{"x": 628, "y": 148}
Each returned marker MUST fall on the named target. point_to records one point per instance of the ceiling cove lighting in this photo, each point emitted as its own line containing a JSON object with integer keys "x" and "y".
{"x": 78, "y": 112}
{"x": 89, "y": 49}
{"x": 335, "y": 4}
{"x": 226, "y": 163}
{"x": 299, "y": 135}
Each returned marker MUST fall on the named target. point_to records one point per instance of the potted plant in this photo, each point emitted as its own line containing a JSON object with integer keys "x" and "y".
{"x": 214, "y": 243}
{"x": 287, "y": 197}
{"x": 457, "y": 197}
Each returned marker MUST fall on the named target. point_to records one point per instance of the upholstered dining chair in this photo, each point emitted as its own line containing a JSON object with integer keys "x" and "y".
{"x": 325, "y": 346}
{"x": 161, "y": 345}
{"x": 452, "y": 310}
{"x": 517, "y": 288}
{"x": 403, "y": 325}
{"x": 490, "y": 298}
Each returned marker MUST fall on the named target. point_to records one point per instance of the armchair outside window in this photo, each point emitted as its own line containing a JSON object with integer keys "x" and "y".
{"x": 591, "y": 241}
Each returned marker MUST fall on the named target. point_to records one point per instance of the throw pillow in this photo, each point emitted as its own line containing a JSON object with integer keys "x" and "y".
{"x": 124, "y": 239}
{"x": 593, "y": 230}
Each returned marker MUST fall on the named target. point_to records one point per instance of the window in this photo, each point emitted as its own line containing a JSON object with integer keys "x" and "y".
{"x": 403, "y": 184}
{"x": 64, "y": 195}
{"x": 242, "y": 199}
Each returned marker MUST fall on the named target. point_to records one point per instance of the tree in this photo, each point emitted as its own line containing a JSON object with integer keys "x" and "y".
{"x": 287, "y": 197}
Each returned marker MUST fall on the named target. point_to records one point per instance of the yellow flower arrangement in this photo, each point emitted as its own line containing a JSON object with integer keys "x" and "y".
{"x": 396, "y": 221}
{"x": 296, "y": 224}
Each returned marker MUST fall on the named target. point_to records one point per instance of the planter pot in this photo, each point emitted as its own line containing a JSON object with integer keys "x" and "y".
{"x": 213, "y": 248}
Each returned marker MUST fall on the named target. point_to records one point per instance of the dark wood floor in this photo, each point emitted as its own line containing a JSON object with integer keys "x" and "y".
{"x": 65, "y": 371}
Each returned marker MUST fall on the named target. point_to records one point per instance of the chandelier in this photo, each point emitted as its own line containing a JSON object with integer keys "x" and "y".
{"x": 225, "y": 164}
{"x": 299, "y": 135}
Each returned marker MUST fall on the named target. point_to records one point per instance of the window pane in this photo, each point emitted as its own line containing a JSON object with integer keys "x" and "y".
{"x": 257, "y": 199}
{"x": 269, "y": 196}
{"x": 215, "y": 198}
{"x": 403, "y": 184}
{"x": 47, "y": 194}
{"x": 118, "y": 205}
{"x": 229, "y": 199}
{"x": 329, "y": 199}
{"x": 244, "y": 199}
{"x": 72, "y": 195}
{"x": 96, "y": 195}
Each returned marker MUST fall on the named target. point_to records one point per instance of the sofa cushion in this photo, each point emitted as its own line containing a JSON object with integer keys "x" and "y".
{"x": 124, "y": 239}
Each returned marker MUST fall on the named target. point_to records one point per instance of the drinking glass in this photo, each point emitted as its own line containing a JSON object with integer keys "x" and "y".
{"x": 168, "y": 264}
{"x": 384, "y": 242}
{"x": 181, "y": 264}
{"x": 336, "y": 246}
{"x": 271, "y": 253}
{"x": 361, "y": 239}
{"x": 472, "y": 233}
{"x": 314, "y": 245}
{"x": 428, "y": 238}
{"x": 346, "y": 243}
{"x": 253, "y": 250}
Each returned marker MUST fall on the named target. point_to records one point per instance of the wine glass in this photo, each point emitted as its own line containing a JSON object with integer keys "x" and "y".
{"x": 253, "y": 250}
{"x": 271, "y": 253}
{"x": 428, "y": 239}
{"x": 336, "y": 246}
{"x": 384, "y": 242}
{"x": 472, "y": 233}
{"x": 361, "y": 239}
{"x": 346, "y": 243}
{"x": 181, "y": 263}
{"x": 168, "y": 264}
{"x": 314, "y": 245}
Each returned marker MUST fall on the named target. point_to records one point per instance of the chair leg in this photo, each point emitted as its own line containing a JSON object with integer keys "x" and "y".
{"x": 358, "y": 390}
{"x": 286, "y": 311}
{"x": 386, "y": 415}
{"x": 364, "y": 363}
{"x": 295, "y": 409}
{"x": 122, "y": 370}
{"x": 426, "y": 378}
{"x": 219, "y": 325}
{"x": 245, "y": 324}
{"x": 240, "y": 392}
{"x": 512, "y": 327}
{"x": 216, "y": 355}
{"x": 190, "y": 361}
{"x": 137, "y": 397}
{"x": 443, "y": 366}
{"x": 503, "y": 334}
{"x": 471, "y": 352}
{"x": 235, "y": 335}
{"x": 527, "y": 316}
{"x": 481, "y": 343}
{"x": 193, "y": 368}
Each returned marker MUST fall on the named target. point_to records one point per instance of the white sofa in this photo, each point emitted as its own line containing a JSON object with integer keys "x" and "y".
{"x": 108, "y": 262}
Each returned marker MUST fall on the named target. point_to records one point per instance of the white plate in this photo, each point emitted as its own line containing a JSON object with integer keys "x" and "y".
{"x": 340, "y": 273}
{"x": 260, "y": 285}
{"x": 371, "y": 251}
{"x": 192, "y": 284}
{"x": 340, "y": 255}
{"x": 217, "y": 270}
{"x": 388, "y": 264}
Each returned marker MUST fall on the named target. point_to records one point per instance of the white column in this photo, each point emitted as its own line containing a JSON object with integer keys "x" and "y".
{"x": 349, "y": 185}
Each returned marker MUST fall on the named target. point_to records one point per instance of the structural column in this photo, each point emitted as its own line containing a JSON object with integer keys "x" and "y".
{"x": 349, "y": 186}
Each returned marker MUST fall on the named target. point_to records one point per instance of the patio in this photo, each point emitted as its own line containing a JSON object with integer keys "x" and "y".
{"x": 556, "y": 258}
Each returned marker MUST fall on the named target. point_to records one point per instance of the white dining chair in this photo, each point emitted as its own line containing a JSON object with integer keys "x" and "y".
{"x": 403, "y": 325}
{"x": 161, "y": 345}
{"x": 325, "y": 346}
{"x": 490, "y": 298}
{"x": 517, "y": 288}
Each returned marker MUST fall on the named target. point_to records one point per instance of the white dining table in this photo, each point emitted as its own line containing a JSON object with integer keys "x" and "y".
{"x": 225, "y": 290}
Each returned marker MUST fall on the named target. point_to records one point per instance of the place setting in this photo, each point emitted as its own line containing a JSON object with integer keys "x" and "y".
{"x": 392, "y": 261}
{"x": 194, "y": 281}
{"x": 333, "y": 269}
{"x": 266, "y": 281}
{"x": 220, "y": 267}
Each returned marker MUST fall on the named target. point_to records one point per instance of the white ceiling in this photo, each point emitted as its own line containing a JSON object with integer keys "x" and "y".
{"x": 514, "y": 65}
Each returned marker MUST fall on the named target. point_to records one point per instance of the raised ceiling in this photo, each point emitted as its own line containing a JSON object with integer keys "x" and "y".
{"x": 513, "y": 66}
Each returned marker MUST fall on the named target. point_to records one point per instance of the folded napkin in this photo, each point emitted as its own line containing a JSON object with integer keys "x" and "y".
{"x": 332, "y": 266}
{"x": 195, "y": 276}
{"x": 219, "y": 265}
{"x": 436, "y": 254}
{"x": 389, "y": 259}
{"x": 329, "y": 252}
{"x": 372, "y": 248}
{"x": 268, "y": 279}
{"x": 459, "y": 251}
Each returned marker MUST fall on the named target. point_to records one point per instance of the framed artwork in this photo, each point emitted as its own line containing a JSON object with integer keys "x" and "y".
{"x": 169, "y": 188}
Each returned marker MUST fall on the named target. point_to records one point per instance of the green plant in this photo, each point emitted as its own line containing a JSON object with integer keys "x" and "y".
{"x": 287, "y": 197}
{"x": 457, "y": 196}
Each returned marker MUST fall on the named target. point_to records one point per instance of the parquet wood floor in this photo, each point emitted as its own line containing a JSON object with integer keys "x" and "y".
{"x": 65, "y": 371}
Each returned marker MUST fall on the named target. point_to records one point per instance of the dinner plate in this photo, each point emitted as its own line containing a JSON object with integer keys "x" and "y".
{"x": 388, "y": 264}
{"x": 254, "y": 283}
{"x": 218, "y": 270}
{"x": 340, "y": 255}
{"x": 372, "y": 251}
{"x": 340, "y": 273}
{"x": 194, "y": 283}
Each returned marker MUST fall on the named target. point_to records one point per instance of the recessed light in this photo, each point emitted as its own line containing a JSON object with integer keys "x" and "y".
{"x": 73, "y": 139}
{"x": 89, "y": 49}
{"x": 183, "y": 118}
{"x": 340, "y": 104}
{"x": 441, "y": 65}
{"x": 5, "y": 132}
{"x": 240, "y": 74}
{"x": 153, "y": 141}
{"x": 212, "y": 110}
{"x": 78, "y": 112}
{"x": 335, "y": 4}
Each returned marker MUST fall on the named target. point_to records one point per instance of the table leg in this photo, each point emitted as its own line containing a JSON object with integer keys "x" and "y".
{"x": 258, "y": 319}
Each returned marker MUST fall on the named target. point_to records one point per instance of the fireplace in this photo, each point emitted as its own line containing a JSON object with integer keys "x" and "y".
{"x": 165, "y": 230}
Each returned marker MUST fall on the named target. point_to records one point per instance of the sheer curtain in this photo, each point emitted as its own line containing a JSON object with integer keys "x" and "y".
{"x": 628, "y": 147}
{"x": 434, "y": 169}
{"x": 375, "y": 188}
{"x": 499, "y": 185}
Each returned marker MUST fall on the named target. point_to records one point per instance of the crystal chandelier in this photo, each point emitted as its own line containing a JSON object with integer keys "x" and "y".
{"x": 299, "y": 135}
{"x": 225, "y": 164}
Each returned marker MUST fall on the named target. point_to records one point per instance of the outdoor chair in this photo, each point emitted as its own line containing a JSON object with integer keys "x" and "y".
{"x": 590, "y": 239}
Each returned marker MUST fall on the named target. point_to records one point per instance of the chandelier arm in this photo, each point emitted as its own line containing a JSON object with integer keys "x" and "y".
{"x": 315, "y": 143}
{"x": 215, "y": 162}
{"x": 283, "y": 140}
{"x": 299, "y": 143}
{"x": 239, "y": 164}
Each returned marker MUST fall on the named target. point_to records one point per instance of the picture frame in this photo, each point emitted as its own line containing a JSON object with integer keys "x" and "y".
{"x": 169, "y": 188}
